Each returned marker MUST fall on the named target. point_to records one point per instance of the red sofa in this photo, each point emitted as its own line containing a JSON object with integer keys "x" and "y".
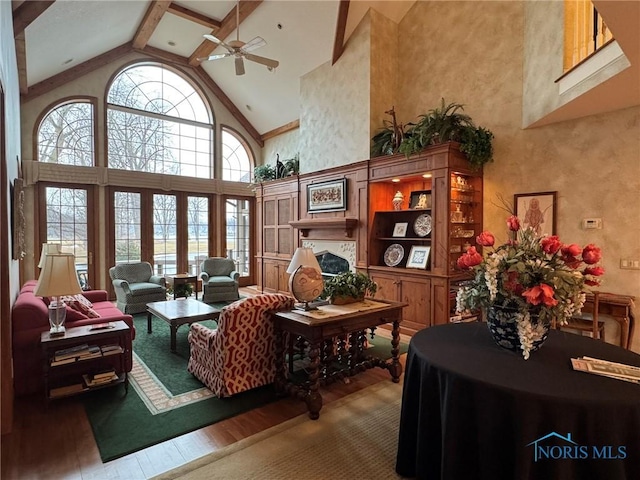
{"x": 30, "y": 317}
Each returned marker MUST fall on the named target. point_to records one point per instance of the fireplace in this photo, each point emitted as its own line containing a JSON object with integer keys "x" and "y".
{"x": 334, "y": 256}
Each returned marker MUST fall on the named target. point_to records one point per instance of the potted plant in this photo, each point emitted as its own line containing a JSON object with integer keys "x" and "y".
{"x": 348, "y": 287}
{"x": 181, "y": 290}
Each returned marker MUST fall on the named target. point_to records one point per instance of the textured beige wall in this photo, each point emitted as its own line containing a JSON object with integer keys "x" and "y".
{"x": 286, "y": 145}
{"x": 384, "y": 69}
{"x": 472, "y": 53}
{"x": 335, "y": 113}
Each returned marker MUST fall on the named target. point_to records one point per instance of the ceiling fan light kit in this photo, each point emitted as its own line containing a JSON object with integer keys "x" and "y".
{"x": 241, "y": 50}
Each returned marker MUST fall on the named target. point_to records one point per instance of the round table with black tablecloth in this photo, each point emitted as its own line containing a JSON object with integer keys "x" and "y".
{"x": 473, "y": 410}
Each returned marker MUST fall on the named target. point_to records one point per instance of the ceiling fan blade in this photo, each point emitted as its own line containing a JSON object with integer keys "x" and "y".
{"x": 254, "y": 44}
{"x": 218, "y": 41}
{"x": 239, "y": 66}
{"x": 262, "y": 60}
{"x": 217, "y": 56}
{"x": 213, "y": 39}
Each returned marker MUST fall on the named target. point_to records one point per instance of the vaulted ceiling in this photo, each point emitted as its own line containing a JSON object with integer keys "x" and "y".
{"x": 57, "y": 41}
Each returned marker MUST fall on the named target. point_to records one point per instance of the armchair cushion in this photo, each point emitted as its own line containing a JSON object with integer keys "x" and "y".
{"x": 240, "y": 353}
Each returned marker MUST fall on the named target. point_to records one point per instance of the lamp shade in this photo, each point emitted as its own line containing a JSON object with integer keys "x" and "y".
{"x": 58, "y": 276}
{"x": 48, "y": 249}
{"x": 303, "y": 256}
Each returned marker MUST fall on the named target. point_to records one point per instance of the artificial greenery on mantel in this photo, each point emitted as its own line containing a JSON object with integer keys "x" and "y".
{"x": 284, "y": 168}
{"x": 438, "y": 125}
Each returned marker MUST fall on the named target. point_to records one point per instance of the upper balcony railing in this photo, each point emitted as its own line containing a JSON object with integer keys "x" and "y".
{"x": 584, "y": 32}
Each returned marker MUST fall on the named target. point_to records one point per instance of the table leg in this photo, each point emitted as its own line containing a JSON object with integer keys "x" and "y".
{"x": 281, "y": 379}
{"x": 174, "y": 330}
{"x": 148, "y": 322}
{"x": 313, "y": 398}
{"x": 395, "y": 367}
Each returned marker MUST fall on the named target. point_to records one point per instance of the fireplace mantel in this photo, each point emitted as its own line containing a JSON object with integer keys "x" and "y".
{"x": 342, "y": 223}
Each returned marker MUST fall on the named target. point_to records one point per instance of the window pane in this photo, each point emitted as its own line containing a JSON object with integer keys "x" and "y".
{"x": 236, "y": 165}
{"x": 238, "y": 227}
{"x": 198, "y": 231}
{"x": 128, "y": 235}
{"x": 67, "y": 223}
{"x": 158, "y": 123}
{"x": 65, "y": 135}
{"x": 156, "y": 89}
{"x": 164, "y": 234}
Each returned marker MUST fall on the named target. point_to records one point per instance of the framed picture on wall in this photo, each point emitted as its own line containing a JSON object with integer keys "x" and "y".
{"x": 418, "y": 257}
{"x": 537, "y": 210}
{"x": 327, "y": 196}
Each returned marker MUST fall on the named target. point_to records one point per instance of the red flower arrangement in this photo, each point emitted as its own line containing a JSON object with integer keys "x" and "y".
{"x": 538, "y": 274}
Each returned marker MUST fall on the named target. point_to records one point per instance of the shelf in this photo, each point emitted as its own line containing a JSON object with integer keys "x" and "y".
{"x": 404, "y": 239}
{"x": 346, "y": 224}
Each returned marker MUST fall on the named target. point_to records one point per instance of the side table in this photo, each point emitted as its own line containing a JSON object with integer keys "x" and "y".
{"x": 65, "y": 378}
{"x": 183, "y": 279}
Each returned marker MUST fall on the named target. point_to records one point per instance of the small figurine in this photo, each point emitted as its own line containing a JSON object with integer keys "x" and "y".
{"x": 422, "y": 202}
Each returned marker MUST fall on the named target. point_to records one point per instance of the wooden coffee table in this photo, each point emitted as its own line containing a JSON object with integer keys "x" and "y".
{"x": 179, "y": 312}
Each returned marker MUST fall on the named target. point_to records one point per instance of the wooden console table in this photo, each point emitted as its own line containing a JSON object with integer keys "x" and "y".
{"x": 620, "y": 309}
{"x": 320, "y": 330}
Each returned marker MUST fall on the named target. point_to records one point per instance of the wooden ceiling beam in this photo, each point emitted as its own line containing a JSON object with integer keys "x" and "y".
{"x": 226, "y": 101}
{"x": 150, "y": 22}
{"x": 194, "y": 17}
{"x": 89, "y": 66}
{"x": 341, "y": 26}
{"x": 26, "y": 13}
{"x": 21, "y": 60}
{"x": 247, "y": 7}
{"x": 287, "y": 127}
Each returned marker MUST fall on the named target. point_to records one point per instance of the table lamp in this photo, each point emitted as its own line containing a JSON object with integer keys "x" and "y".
{"x": 305, "y": 283}
{"x": 48, "y": 249}
{"x": 57, "y": 277}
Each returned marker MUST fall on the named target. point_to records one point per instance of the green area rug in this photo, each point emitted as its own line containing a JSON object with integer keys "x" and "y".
{"x": 174, "y": 402}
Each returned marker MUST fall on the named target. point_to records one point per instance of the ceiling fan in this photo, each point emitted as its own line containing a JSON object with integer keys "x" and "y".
{"x": 240, "y": 50}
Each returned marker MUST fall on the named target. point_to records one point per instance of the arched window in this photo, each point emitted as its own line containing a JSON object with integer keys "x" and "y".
{"x": 236, "y": 161}
{"x": 65, "y": 135}
{"x": 157, "y": 122}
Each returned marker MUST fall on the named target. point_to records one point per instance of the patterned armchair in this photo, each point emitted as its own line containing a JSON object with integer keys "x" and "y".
{"x": 240, "y": 354}
{"x": 136, "y": 285}
{"x": 219, "y": 280}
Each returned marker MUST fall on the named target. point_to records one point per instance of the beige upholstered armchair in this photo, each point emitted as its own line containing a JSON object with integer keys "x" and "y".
{"x": 136, "y": 285}
{"x": 219, "y": 280}
{"x": 240, "y": 354}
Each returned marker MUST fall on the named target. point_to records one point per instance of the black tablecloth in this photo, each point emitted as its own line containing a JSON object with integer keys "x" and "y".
{"x": 473, "y": 410}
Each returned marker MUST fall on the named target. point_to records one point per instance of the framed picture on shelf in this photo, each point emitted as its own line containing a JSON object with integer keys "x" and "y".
{"x": 418, "y": 257}
{"x": 420, "y": 200}
{"x": 327, "y": 196}
{"x": 400, "y": 229}
{"x": 537, "y": 210}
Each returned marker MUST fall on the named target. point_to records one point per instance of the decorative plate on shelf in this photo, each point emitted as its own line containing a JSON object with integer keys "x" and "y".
{"x": 393, "y": 255}
{"x": 422, "y": 225}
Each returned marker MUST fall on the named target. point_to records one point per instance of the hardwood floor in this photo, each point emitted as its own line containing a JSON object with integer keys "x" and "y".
{"x": 58, "y": 443}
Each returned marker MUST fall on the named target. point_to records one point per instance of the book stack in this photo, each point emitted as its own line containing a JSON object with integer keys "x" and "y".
{"x": 111, "y": 349}
{"x": 619, "y": 371}
{"x": 74, "y": 354}
{"x": 99, "y": 378}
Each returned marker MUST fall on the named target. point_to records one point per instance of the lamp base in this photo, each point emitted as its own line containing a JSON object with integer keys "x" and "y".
{"x": 304, "y": 306}
{"x": 57, "y": 331}
{"x": 57, "y": 316}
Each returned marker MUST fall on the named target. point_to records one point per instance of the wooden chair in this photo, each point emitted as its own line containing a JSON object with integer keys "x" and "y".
{"x": 588, "y": 321}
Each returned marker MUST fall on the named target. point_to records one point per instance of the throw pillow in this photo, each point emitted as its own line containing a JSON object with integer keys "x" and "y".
{"x": 73, "y": 315}
{"x": 80, "y": 304}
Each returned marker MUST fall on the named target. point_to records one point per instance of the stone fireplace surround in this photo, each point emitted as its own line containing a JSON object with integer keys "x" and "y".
{"x": 334, "y": 256}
